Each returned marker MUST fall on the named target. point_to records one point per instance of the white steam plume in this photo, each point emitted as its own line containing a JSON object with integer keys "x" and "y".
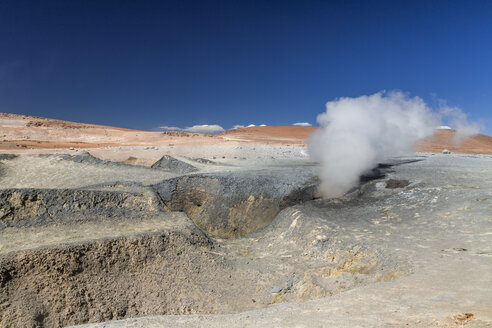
{"x": 459, "y": 121}
{"x": 357, "y": 133}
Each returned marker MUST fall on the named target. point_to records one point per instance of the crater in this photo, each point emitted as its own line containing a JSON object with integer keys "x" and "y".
{"x": 231, "y": 205}
{"x": 191, "y": 244}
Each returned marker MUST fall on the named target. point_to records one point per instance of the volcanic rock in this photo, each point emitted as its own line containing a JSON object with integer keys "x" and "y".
{"x": 171, "y": 164}
{"x": 231, "y": 204}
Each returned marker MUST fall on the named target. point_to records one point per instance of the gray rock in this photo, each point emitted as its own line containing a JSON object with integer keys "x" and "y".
{"x": 290, "y": 282}
{"x": 203, "y": 161}
{"x": 393, "y": 183}
{"x": 27, "y": 207}
{"x": 86, "y": 158}
{"x": 171, "y": 164}
{"x": 276, "y": 289}
{"x": 7, "y": 156}
{"x": 232, "y": 204}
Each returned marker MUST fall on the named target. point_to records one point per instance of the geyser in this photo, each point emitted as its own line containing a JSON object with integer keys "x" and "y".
{"x": 357, "y": 133}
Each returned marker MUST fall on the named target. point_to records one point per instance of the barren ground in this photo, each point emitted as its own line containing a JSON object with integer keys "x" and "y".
{"x": 231, "y": 232}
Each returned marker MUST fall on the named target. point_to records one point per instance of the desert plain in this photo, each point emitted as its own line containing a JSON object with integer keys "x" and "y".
{"x": 111, "y": 227}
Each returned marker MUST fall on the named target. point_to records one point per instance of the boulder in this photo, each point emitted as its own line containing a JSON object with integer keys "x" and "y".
{"x": 171, "y": 164}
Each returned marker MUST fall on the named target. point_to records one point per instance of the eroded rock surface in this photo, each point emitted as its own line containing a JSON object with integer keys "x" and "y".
{"x": 135, "y": 243}
{"x": 168, "y": 272}
{"x": 34, "y": 206}
{"x": 231, "y": 204}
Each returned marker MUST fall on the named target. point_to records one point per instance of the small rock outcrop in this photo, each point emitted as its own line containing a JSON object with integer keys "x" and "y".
{"x": 171, "y": 164}
{"x": 83, "y": 158}
{"x": 7, "y": 156}
{"x": 393, "y": 183}
{"x": 26, "y": 207}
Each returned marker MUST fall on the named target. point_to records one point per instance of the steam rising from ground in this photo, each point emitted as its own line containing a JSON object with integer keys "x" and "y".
{"x": 358, "y": 133}
{"x": 458, "y": 120}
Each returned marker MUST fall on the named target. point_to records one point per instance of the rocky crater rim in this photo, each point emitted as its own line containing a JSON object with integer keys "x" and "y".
{"x": 25, "y": 207}
{"x": 231, "y": 205}
{"x": 146, "y": 259}
{"x": 226, "y": 205}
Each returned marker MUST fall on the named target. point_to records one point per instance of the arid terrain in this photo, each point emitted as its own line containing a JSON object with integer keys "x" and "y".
{"x": 110, "y": 227}
{"x": 19, "y": 132}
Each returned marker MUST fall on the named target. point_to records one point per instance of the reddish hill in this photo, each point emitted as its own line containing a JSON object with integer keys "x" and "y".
{"x": 270, "y": 134}
{"x": 19, "y": 131}
{"x": 445, "y": 139}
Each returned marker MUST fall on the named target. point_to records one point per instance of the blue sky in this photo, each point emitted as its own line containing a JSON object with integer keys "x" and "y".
{"x": 144, "y": 64}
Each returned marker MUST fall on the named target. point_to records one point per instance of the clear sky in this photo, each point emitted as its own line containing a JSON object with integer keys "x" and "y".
{"x": 143, "y": 64}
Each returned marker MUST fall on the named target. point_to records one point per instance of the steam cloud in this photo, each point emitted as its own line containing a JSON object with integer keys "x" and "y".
{"x": 459, "y": 121}
{"x": 357, "y": 133}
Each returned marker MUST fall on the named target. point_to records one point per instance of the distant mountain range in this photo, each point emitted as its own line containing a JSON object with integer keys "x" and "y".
{"x": 21, "y": 131}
